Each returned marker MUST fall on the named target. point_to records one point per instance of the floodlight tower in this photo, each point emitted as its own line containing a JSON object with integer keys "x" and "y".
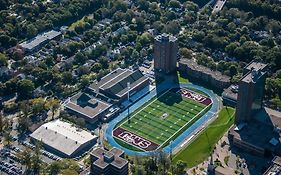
{"x": 128, "y": 85}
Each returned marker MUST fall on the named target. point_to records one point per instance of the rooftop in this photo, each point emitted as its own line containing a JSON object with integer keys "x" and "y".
{"x": 261, "y": 130}
{"x": 87, "y": 105}
{"x": 166, "y": 37}
{"x": 192, "y": 64}
{"x": 112, "y": 157}
{"x": 34, "y": 42}
{"x": 57, "y": 132}
{"x": 253, "y": 76}
{"x": 115, "y": 83}
{"x": 231, "y": 92}
{"x": 256, "y": 65}
{"x": 275, "y": 168}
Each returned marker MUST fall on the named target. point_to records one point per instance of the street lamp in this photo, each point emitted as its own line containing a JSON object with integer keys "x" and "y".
{"x": 128, "y": 93}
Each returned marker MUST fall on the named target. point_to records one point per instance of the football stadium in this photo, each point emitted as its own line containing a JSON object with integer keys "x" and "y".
{"x": 161, "y": 119}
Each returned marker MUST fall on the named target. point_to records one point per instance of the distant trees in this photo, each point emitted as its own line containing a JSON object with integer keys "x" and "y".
{"x": 3, "y": 60}
{"x": 25, "y": 88}
{"x": 158, "y": 163}
{"x": 53, "y": 104}
{"x": 64, "y": 167}
{"x": 31, "y": 159}
{"x": 185, "y": 53}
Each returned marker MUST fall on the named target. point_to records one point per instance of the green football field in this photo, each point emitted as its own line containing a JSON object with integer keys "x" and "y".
{"x": 164, "y": 117}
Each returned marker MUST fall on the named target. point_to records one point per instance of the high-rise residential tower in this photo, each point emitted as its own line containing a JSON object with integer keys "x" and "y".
{"x": 251, "y": 91}
{"x": 165, "y": 53}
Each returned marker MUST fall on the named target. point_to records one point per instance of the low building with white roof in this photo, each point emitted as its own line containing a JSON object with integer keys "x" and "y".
{"x": 63, "y": 138}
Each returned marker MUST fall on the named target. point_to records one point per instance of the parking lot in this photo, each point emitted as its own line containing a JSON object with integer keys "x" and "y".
{"x": 9, "y": 163}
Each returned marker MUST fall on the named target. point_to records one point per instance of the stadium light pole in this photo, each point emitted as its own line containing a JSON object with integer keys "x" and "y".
{"x": 128, "y": 85}
{"x": 171, "y": 151}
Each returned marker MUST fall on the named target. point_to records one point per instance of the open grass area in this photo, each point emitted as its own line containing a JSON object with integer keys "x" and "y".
{"x": 199, "y": 150}
{"x": 79, "y": 22}
{"x": 163, "y": 118}
{"x": 182, "y": 79}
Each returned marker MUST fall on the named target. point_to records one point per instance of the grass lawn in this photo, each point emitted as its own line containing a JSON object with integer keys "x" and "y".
{"x": 164, "y": 118}
{"x": 182, "y": 79}
{"x": 79, "y": 22}
{"x": 198, "y": 150}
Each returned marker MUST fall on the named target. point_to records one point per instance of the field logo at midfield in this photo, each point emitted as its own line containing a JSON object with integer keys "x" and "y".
{"x": 194, "y": 96}
{"x": 134, "y": 139}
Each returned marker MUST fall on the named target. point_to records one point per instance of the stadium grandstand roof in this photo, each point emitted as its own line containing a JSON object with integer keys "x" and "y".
{"x": 115, "y": 83}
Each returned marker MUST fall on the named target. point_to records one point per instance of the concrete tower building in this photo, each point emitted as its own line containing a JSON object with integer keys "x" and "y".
{"x": 251, "y": 91}
{"x": 165, "y": 53}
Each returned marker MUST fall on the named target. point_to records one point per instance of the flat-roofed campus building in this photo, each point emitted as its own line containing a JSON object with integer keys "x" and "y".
{"x": 250, "y": 91}
{"x": 63, "y": 139}
{"x": 87, "y": 106}
{"x": 38, "y": 41}
{"x": 261, "y": 136}
{"x": 229, "y": 96}
{"x": 215, "y": 78}
{"x": 110, "y": 162}
{"x": 275, "y": 167}
{"x": 102, "y": 98}
{"x": 165, "y": 53}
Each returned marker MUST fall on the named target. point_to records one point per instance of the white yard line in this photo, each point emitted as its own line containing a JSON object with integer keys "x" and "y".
{"x": 184, "y": 126}
{"x": 177, "y": 110}
{"x": 146, "y": 106}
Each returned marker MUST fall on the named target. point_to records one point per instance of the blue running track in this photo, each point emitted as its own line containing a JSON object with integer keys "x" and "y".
{"x": 175, "y": 143}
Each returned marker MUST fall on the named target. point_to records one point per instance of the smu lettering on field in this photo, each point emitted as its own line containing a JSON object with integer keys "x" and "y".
{"x": 194, "y": 96}
{"x": 134, "y": 139}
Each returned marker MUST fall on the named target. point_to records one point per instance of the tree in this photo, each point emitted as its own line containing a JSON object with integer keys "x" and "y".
{"x": 80, "y": 58}
{"x": 85, "y": 80}
{"x": 25, "y": 88}
{"x": 3, "y": 60}
{"x": 23, "y": 124}
{"x": 53, "y": 104}
{"x": 140, "y": 24}
{"x": 174, "y": 4}
{"x": 7, "y": 138}
{"x": 67, "y": 77}
{"x": 104, "y": 62}
{"x": 186, "y": 53}
{"x": 31, "y": 30}
{"x": 38, "y": 105}
{"x": 1, "y": 123}
{"x": 233, "y": 70}
{"x": 54, "y": 168}
{"x": 35, "y": 159}
{"x": 25, "y": 158}
{"x": 172, "y": 27}
{"x": 24, "y": 107}
{"x": 180, "y": 168}
{"x": 80, "y": 121}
